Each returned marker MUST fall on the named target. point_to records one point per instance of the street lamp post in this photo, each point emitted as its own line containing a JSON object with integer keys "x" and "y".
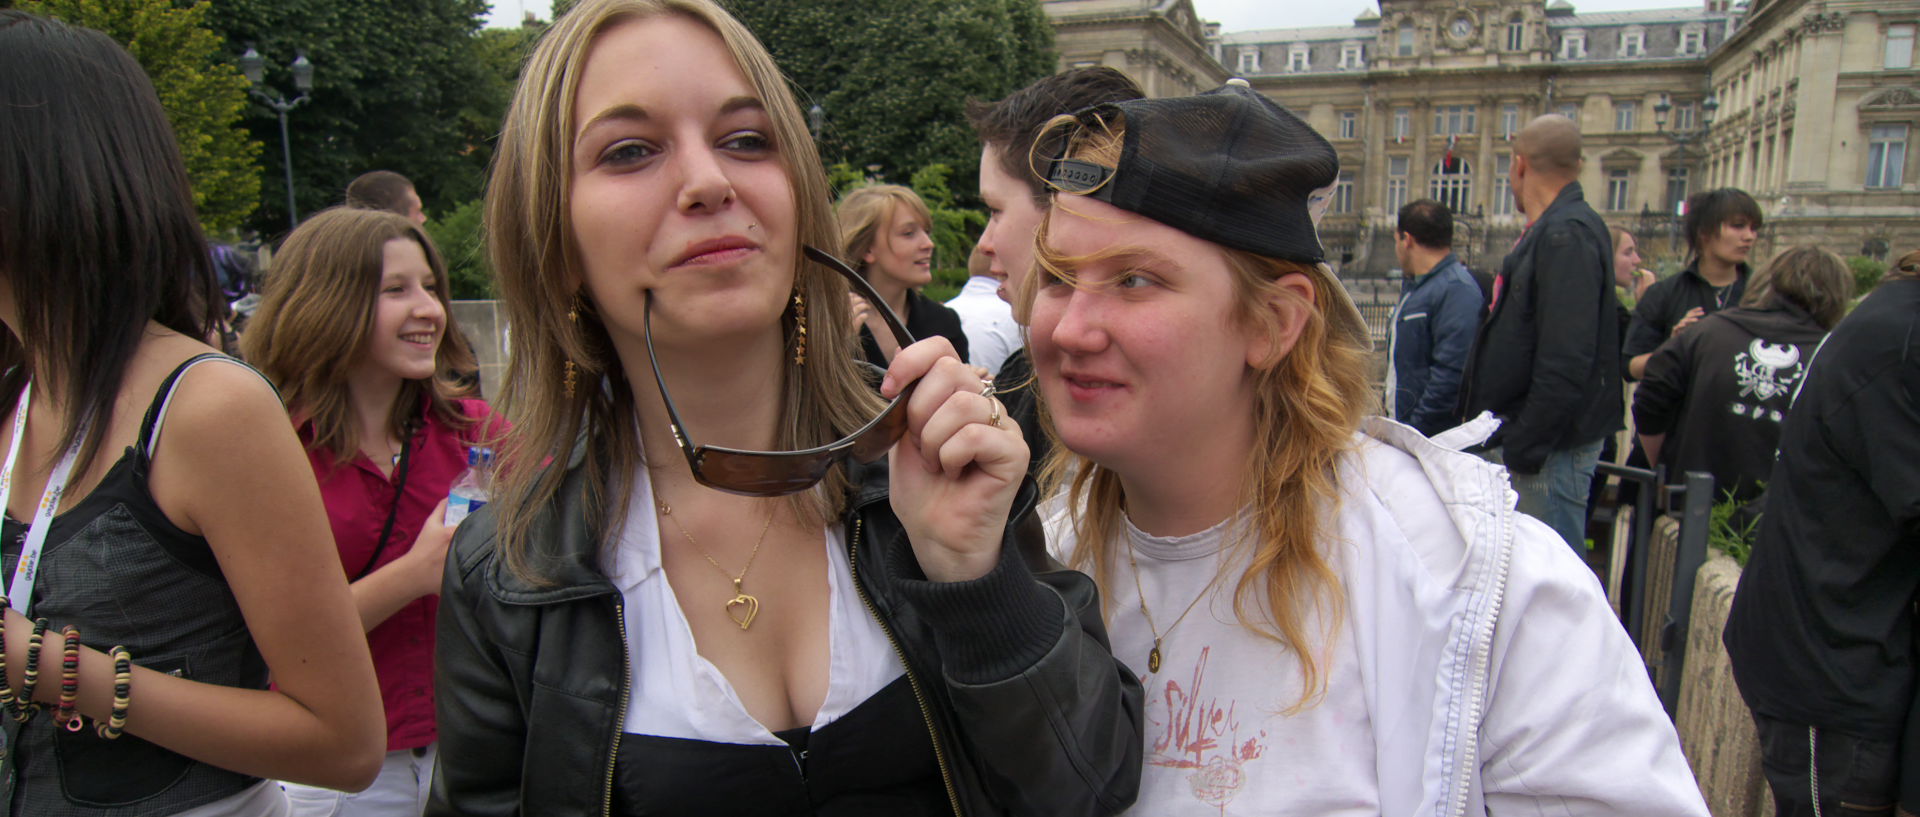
{"x": 1684, "y": 140}
{"x": 255, "y": 67}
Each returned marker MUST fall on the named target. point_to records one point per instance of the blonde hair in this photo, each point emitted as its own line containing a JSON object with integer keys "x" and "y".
{"x": 1307, "y": 404}
{"x": 315, "y": 316}
{"x": 865, "y": 212}
{"x": 1620, "y": 234}
{"x": 1808, "y": 277}
{"x": 530, "y": 240}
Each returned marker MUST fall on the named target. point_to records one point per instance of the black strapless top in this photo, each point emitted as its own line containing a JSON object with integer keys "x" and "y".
{"x": 876, "y": 761}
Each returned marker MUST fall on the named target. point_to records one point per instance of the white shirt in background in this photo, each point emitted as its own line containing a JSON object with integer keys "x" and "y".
{"x": 992, "y": 334}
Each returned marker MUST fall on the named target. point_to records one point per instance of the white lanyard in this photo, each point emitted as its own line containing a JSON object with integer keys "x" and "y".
{"x": 20, "y": 590}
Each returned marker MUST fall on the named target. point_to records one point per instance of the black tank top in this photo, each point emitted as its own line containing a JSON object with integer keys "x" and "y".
{"x": 877, "y": 761}
{"x": 117, "y": 568}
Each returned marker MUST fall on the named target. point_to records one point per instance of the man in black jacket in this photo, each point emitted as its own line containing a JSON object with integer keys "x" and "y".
{"x": 1821, "y": 635}
{"x": 1547, "y": 358}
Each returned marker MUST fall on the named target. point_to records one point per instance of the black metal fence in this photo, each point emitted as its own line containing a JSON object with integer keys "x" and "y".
{"x": 1658, "y": 583}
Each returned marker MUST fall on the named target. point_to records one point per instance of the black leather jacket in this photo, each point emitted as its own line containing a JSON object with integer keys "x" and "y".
{"x": 1030, "y": 712}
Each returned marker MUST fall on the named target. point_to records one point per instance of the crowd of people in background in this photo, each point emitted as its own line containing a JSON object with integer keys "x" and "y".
{"x": 1123, "y": 525}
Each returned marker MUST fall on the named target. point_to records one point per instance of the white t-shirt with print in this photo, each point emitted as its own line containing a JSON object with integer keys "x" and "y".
{"x": 1217, "y": 740}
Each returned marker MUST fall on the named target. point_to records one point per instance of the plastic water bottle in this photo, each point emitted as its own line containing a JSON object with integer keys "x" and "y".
{"x": 472, "y": 488}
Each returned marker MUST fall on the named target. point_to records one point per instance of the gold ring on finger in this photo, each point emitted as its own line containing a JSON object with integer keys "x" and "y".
{"x": 993, "y": 412}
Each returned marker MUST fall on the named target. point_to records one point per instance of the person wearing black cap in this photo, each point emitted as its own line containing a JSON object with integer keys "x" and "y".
{"x": 1308, "y": 594}
{"x": 1547, "y": 360}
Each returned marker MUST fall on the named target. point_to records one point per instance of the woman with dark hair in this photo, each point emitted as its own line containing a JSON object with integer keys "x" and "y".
{"x": 165, "y": 585}
{"x": 1713, "y": 398}
{"x": 354, "y": 328}
{"x": 643, "y": 621}
{"x": 1721, "y": 226}
{"x": 888, "y": 231}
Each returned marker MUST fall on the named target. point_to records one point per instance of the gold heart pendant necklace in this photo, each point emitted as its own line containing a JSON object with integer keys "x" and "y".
{"x": 742, "y": 608}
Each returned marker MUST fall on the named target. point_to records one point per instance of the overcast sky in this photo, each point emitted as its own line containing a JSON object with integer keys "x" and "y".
{"x": 1233, "y": 15}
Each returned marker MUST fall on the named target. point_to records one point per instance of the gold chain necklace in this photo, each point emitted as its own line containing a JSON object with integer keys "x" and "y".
{"x": 1153, "y": 657}
{"x": 749, "y": 606}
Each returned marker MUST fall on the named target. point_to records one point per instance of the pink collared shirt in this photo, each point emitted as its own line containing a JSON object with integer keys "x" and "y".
{"x": 357, "y": 497}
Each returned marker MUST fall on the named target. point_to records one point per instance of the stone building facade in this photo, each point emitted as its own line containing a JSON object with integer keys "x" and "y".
{"x": 1422, "y": 100}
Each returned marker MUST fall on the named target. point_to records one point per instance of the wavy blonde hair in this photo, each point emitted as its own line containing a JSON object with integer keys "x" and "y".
{"x": 530, "y": 240}
{"x": 315, "y": 316}
{"x": 865, "y": 212}
{"x": 1307, "y": 404}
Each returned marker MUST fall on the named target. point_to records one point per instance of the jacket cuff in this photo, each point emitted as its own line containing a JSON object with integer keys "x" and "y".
{"x": 987, "y": 629}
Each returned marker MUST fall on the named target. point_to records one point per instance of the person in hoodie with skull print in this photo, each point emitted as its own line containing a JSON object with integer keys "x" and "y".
{"x": 1714, "y": 396}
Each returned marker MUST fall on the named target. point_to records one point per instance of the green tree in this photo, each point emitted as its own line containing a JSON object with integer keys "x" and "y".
{"x": 397, "y": 86}
{"x": 203, "y": 94}
{"x": 459, "y": 234}
{"x": 893, "y": 78}
{"x": 954, "y": 229}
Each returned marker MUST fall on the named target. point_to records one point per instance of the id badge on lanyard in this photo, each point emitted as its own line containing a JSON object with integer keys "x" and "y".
{"x": 20, "y": 588}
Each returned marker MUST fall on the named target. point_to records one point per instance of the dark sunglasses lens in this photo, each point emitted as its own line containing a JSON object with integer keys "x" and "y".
{"x": 886, "y": 430}
{"x": 750, "y": 474}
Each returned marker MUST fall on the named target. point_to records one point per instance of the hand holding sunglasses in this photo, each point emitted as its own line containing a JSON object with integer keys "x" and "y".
{"x": 959, "y": 465}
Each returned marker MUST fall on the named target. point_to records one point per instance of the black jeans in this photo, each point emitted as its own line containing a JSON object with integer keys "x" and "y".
{"x": 1858, "y": 777}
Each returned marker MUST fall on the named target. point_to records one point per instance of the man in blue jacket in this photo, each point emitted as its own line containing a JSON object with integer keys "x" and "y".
{"x": 1547, "y": 359}
{"x": 1434, "y": 325}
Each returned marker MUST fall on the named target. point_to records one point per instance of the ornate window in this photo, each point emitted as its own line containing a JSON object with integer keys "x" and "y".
{"x": 1343, "y": 193}
{"x": 1502, "y": 185}
{"x": 1693, "y": 39}
{"x": 1352, "y": 56}
{"x": 1396, "y": 183}
{"x": 1633, "y": 42}
{"x": 1402, "y": 124}
{"x": 1570, "y": 110}
{"x": 1451, "y": 120}
{"x": 1886, "y": 155}
{"x": 1573, "y": 44}
{"x": 1619, "y": 188}
{"x": 1517, "y": 34}
{"x": 1624, "y": 114}
{"x": 1509, "y": 120}
{"x": 1454, "y": 189}
{"x": 1899, "y": 47}
{"x": 1406, "y": 39}
{"x": 1298, "y": 58}
{"x": 1676, "y": 188}
{"x": 1349, "y": 124}
{"x": 1250, "y": 60}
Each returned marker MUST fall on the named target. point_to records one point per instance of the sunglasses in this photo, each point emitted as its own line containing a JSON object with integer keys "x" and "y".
{"x": 778, "y": 473}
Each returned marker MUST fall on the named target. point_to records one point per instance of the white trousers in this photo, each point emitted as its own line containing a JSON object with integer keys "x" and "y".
{"x": 399, "y": 791}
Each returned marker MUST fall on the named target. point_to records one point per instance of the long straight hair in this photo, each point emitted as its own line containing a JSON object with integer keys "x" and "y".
{"x": 530, "y": 239}
{"x": 98, "y": 235}
{"x": 315, "y": 318}
{"x": 1308, "y": 402}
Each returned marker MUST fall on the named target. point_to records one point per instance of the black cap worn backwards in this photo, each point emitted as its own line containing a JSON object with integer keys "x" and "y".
{"x": 1228, "y": 166}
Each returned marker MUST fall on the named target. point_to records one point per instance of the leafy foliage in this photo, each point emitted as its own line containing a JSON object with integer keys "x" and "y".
{"x": 459, "y": 236}
{"x": 954, "y": 230}
{"x": 204, "y": 96}
{"x": 893, "y": 78}
{"x": 406, "y": 87}
{"x": 1867, "y": 273}
{"x": 1731, "y": 527}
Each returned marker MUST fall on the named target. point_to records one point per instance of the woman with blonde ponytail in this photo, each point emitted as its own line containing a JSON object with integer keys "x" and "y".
{"x": 1331, "y": 613}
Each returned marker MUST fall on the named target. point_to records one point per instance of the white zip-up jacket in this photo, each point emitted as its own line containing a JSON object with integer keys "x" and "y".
{"x": 1498, "y": 679}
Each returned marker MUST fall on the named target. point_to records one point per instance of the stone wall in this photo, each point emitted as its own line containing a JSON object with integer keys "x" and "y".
{"x": 1716, "y": 731}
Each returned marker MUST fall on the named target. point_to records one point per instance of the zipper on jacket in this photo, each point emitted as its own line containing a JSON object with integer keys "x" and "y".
{"x": 919, "y": 697}
{"x": 619, "y": 721}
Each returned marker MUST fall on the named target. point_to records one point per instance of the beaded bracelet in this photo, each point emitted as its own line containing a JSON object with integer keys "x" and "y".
{"x": 116, "y": 722}
{"x": 31, "y": 677}
{"x": 7, "y": 698}
{"x": 69, "y": 680}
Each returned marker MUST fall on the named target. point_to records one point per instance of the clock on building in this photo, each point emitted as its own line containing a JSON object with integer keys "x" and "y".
{"x": 1460, "y": 31}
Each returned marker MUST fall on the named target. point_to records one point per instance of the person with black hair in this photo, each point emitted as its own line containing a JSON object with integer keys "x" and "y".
{"x": 389, "y": 191}
{"x": 1821, "y": 634}
{"x": 1434, "y": 324}
{"x": 1714, "y": 398}
{"x": 1721, "y": 227}
{"x": 169, "y": 583}
{"x": 1017, "y": 198}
